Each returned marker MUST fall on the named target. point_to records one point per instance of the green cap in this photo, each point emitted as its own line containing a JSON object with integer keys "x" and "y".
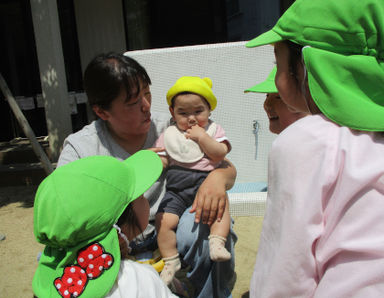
{"x": 268, "y": 86}
{"x": 344, "y": 56}
{"x": 74, "y": 212}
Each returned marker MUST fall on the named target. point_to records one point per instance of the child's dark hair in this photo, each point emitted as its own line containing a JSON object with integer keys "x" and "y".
{"x": 187, "y": 92}
{"x": 107, "y": 74}
{"x": 295, "y": 57}
{"x": 129, "y": 217}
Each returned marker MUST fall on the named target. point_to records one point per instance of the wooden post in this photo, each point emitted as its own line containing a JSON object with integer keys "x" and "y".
{"x": 52, "y": 73}
{"x": 26, "y": 127}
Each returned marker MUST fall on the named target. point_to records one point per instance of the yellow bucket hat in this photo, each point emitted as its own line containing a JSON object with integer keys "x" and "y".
{"x": 200, "y": 86}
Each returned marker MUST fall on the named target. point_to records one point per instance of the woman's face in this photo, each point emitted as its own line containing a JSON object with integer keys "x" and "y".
{"x": 278, "y": 113}
{"x": 129, "y": 116}
{"x": 288, "y": 86}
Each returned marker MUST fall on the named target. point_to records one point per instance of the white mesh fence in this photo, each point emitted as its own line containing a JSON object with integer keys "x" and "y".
{"x": 232, "y": 68}
{"x": 247, "y": 204}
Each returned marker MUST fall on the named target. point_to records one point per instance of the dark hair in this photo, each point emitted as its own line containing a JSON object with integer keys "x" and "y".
{"x": 107, "y": 74}
{"x": 295, "y": 56}
{"x": 129, "y": 217}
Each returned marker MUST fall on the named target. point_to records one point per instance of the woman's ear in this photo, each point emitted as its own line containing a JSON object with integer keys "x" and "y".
{"x": 101, "y": 113}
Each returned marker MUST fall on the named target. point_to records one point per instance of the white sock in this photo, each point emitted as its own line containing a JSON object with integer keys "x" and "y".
{"x": 217, "y": 250}
{"x": 171, "y": 266}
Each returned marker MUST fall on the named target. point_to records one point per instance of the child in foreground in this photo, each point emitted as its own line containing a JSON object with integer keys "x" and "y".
{"x": 86, "y": 213}
{"x": 322, "y": 232}
{"x": 194, "y": 146}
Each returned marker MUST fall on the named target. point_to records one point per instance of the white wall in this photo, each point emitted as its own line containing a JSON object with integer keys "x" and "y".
{"x": 232, "y": 68}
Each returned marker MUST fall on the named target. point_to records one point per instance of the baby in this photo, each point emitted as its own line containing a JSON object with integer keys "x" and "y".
{"x": 194, "y": 146}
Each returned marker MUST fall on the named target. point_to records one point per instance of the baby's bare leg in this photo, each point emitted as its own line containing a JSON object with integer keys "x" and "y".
{"x": 218, "y": 237}
{"x": 221, "y": 228}
{"x": 166, "y": 224}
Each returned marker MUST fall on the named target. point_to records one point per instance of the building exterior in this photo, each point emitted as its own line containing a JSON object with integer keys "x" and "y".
{"x": 47, "y": 44}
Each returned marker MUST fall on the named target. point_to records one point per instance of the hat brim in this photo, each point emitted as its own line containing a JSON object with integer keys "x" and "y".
{"x": 263, "y": 87}
{"x": 53, "y": 261}
{"x": 147, "y": 167}
{"x": 269, "y": 37}
{"x": 347, "y": 88}
{"x": 267, "y": 86}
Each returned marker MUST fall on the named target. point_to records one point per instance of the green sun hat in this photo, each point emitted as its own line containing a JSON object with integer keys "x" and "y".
{"x": 267, "y": 86}
{"x": 343, "y": 51}
{"x": 74, "y": 212}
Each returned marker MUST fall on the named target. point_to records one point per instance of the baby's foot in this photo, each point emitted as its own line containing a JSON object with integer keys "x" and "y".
{"x": 171, "y": 266}
{"x": 217, "y": 250}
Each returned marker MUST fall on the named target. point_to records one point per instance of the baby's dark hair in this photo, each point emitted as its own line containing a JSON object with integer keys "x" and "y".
{"x": 107, "y": 74}
{"x": 187, "y": 92}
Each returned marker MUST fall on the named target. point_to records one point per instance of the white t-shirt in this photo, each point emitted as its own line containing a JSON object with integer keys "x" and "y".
{"x": 138, "y": 281}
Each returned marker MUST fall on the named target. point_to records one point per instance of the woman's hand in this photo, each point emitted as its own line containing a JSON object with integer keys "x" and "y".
{"x": 164, "y": 158}
{"x": 210, "y": 200}
{"x": 157, "y": 149}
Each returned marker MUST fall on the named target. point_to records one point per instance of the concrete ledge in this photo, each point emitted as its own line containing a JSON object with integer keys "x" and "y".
{"x": 247, "y": 204}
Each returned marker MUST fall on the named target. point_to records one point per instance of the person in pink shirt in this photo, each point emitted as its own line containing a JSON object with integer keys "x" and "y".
{"x": 322, "y": 233}
{"x": 194, "y": 146}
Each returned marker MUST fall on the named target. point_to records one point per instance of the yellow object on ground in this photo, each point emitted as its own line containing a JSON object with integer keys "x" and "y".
{"x": 155, "y": 261}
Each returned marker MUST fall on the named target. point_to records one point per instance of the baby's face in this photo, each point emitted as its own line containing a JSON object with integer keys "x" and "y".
{"x": 189, "y": 110}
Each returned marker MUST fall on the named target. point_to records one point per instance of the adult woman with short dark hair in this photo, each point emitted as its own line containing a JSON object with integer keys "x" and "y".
{"x": 118, "y": 90}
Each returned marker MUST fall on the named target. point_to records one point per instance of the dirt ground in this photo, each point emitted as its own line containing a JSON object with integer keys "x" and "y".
{"x": 19, "y": 250}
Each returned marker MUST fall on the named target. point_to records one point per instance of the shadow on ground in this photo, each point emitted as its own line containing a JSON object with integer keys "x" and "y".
{"x": 18, "y": 194}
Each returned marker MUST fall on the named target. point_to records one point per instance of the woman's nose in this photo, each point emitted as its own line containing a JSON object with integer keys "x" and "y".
{"x": 145, "y": 104}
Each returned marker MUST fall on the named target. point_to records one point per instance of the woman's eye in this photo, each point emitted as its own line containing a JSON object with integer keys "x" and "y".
{"x": 129, "y": 103}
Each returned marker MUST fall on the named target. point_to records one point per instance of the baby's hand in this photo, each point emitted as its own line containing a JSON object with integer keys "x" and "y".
{"x": 195, "y": 133}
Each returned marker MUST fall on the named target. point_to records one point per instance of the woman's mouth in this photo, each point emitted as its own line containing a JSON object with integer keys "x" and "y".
{"x": 147, "y": 118}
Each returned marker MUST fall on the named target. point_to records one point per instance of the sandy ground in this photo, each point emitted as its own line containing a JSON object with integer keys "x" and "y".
{"x": 18, "y": 251}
